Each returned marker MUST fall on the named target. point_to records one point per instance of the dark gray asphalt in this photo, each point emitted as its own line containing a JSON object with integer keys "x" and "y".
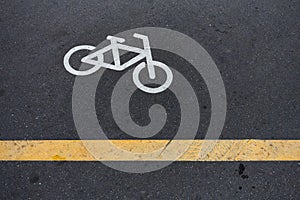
{"x": 255, "y": 45}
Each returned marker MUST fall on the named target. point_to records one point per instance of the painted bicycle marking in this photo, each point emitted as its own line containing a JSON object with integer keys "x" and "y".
{"x": 115, "y": 46}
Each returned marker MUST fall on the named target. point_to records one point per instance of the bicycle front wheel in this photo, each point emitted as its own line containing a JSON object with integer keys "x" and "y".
{"x": 151, "y": 90}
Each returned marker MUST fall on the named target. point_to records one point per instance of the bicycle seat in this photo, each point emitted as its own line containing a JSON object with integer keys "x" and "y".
{"x": 113, "y": 38}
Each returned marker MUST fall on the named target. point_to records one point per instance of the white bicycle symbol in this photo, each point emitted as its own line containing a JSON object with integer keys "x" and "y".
{"x": 115, "y": 46}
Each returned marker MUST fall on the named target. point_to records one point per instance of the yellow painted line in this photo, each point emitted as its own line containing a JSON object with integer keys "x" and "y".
{"x": 75, "y": 150}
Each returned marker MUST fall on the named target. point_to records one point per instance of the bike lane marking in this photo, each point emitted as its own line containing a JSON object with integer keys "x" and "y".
{"x": 74, "y": 150}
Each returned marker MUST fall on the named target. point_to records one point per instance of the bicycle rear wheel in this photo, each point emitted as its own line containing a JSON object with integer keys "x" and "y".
{"x": 71, "y": 69}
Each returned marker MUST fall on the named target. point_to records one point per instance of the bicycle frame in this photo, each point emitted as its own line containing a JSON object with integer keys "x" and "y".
{"x": 115, "y": 46}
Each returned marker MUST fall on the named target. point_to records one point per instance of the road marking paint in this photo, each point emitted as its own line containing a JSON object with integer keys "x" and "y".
{"x": 224, "y": 150}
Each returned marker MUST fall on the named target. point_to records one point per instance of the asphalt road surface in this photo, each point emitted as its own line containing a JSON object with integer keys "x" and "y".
{"x": 255, "y": 45}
